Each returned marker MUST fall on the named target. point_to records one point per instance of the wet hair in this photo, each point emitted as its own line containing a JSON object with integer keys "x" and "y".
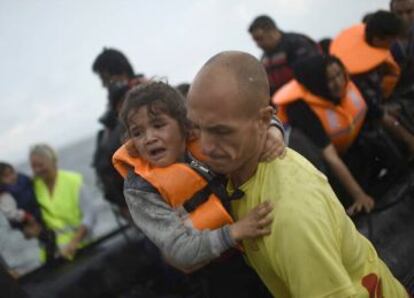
{"x": 4, "y": 166}
{"x": 263, "y": 22}
{"x": 112, "y": 62}
{"x": 325, "y": 44}
{"x": 183, "y": 88}
{"x": 159, "y": 97}
{"x": 311, "y": 73}
{"x": 44, "y": 150}
{"x": 383, "y": 24}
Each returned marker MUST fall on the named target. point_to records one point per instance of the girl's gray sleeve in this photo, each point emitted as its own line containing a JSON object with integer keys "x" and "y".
{"x": 182, "y": 246}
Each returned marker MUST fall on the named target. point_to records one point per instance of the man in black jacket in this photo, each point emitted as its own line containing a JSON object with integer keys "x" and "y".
{"x": 117, "y": 76}
{"x": 280, "y": 50}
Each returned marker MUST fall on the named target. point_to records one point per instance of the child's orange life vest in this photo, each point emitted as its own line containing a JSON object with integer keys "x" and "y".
{"x": 179, "y": 185}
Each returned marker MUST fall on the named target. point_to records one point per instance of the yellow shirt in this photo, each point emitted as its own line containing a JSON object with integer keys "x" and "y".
{"x": 314, "y": 249}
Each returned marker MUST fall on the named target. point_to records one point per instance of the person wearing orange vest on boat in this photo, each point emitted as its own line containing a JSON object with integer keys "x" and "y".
{"x": 364, "y": 49}
{"x": 327, "y": 107}
{"x": 171, "y": 196}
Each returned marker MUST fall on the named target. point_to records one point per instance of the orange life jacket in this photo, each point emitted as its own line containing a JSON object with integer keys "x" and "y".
{"x": 342, "y": 122}
{"x": 358, "y": 56}
{"x": 179, "y": 185}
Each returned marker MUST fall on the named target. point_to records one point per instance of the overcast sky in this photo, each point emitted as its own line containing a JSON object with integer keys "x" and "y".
{"x": 48, "y": 91}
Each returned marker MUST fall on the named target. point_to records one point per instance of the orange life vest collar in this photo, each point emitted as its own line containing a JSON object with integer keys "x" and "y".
{"x": 177, "y": 184}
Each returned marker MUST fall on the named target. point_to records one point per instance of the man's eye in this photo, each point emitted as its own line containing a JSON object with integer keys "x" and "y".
{"x": 223, "y": 131}
{"x": 159, "y": 125}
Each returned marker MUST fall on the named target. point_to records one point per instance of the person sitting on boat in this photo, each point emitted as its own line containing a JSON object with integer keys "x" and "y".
{"x": 117, "y": 76}
{"x": 64, "y": 204}
{"x": 364, "y": 49}
{"x": 326, "y": 106}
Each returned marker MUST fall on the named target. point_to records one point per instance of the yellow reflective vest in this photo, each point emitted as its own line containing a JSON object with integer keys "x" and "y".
{"x": 60, "y": 210}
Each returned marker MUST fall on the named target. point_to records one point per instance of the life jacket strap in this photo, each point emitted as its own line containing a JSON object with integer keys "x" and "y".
{"x": 198, "y": 199}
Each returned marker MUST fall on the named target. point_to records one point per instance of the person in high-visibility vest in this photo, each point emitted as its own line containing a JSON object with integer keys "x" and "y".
{"x": 64, "y": 207}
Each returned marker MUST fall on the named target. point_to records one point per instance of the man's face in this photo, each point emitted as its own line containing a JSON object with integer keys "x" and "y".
{"x": 266, "y": 39}
{"x": 405, "y": 10}
{"x": 384, "y": 43}
{"x": 107, "y": 79}
{"x": 228, "y": 137}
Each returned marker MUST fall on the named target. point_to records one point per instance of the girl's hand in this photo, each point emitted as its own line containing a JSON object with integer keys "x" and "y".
{"x": 255, "y": 224}
{"x": 274, "y": 146}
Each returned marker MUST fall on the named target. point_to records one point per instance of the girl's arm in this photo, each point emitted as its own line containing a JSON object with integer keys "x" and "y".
{"x": 184, "y": 247}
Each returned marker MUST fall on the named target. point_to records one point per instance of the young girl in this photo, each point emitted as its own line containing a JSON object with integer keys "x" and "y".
{"x": 159, "y": 179}
{"x": 155, "y": 118}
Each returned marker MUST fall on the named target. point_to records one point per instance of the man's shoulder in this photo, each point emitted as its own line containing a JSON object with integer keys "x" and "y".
{"x": 293, "y": 37}
{"x": 293, "y": 167}
{"x": 300, "y": 188}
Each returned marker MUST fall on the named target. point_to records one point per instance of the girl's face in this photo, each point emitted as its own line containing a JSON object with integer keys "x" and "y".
{"x": 336, "y": 80}
{"x": 157, "y": 138}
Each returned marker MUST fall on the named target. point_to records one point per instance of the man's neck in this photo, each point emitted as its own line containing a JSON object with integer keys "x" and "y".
{"x": 242, "y": 175}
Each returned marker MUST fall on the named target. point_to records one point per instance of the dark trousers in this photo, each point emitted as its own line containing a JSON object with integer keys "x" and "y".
{"x": 230, "y": 276}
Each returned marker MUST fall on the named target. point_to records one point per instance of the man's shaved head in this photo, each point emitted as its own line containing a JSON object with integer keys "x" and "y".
{"x": 242, "y": 69}
{"x": 229, "y": 104}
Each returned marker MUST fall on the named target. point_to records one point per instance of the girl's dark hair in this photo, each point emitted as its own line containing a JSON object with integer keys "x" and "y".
{"x": 159, "y": 97}
{"x": 311, "y": 73}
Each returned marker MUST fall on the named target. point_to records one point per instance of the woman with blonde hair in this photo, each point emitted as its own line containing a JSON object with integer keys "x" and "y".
{"x": 64, "y": 207}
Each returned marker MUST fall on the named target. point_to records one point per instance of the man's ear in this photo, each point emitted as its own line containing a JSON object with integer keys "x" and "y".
{"x": 266, "y": 114}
